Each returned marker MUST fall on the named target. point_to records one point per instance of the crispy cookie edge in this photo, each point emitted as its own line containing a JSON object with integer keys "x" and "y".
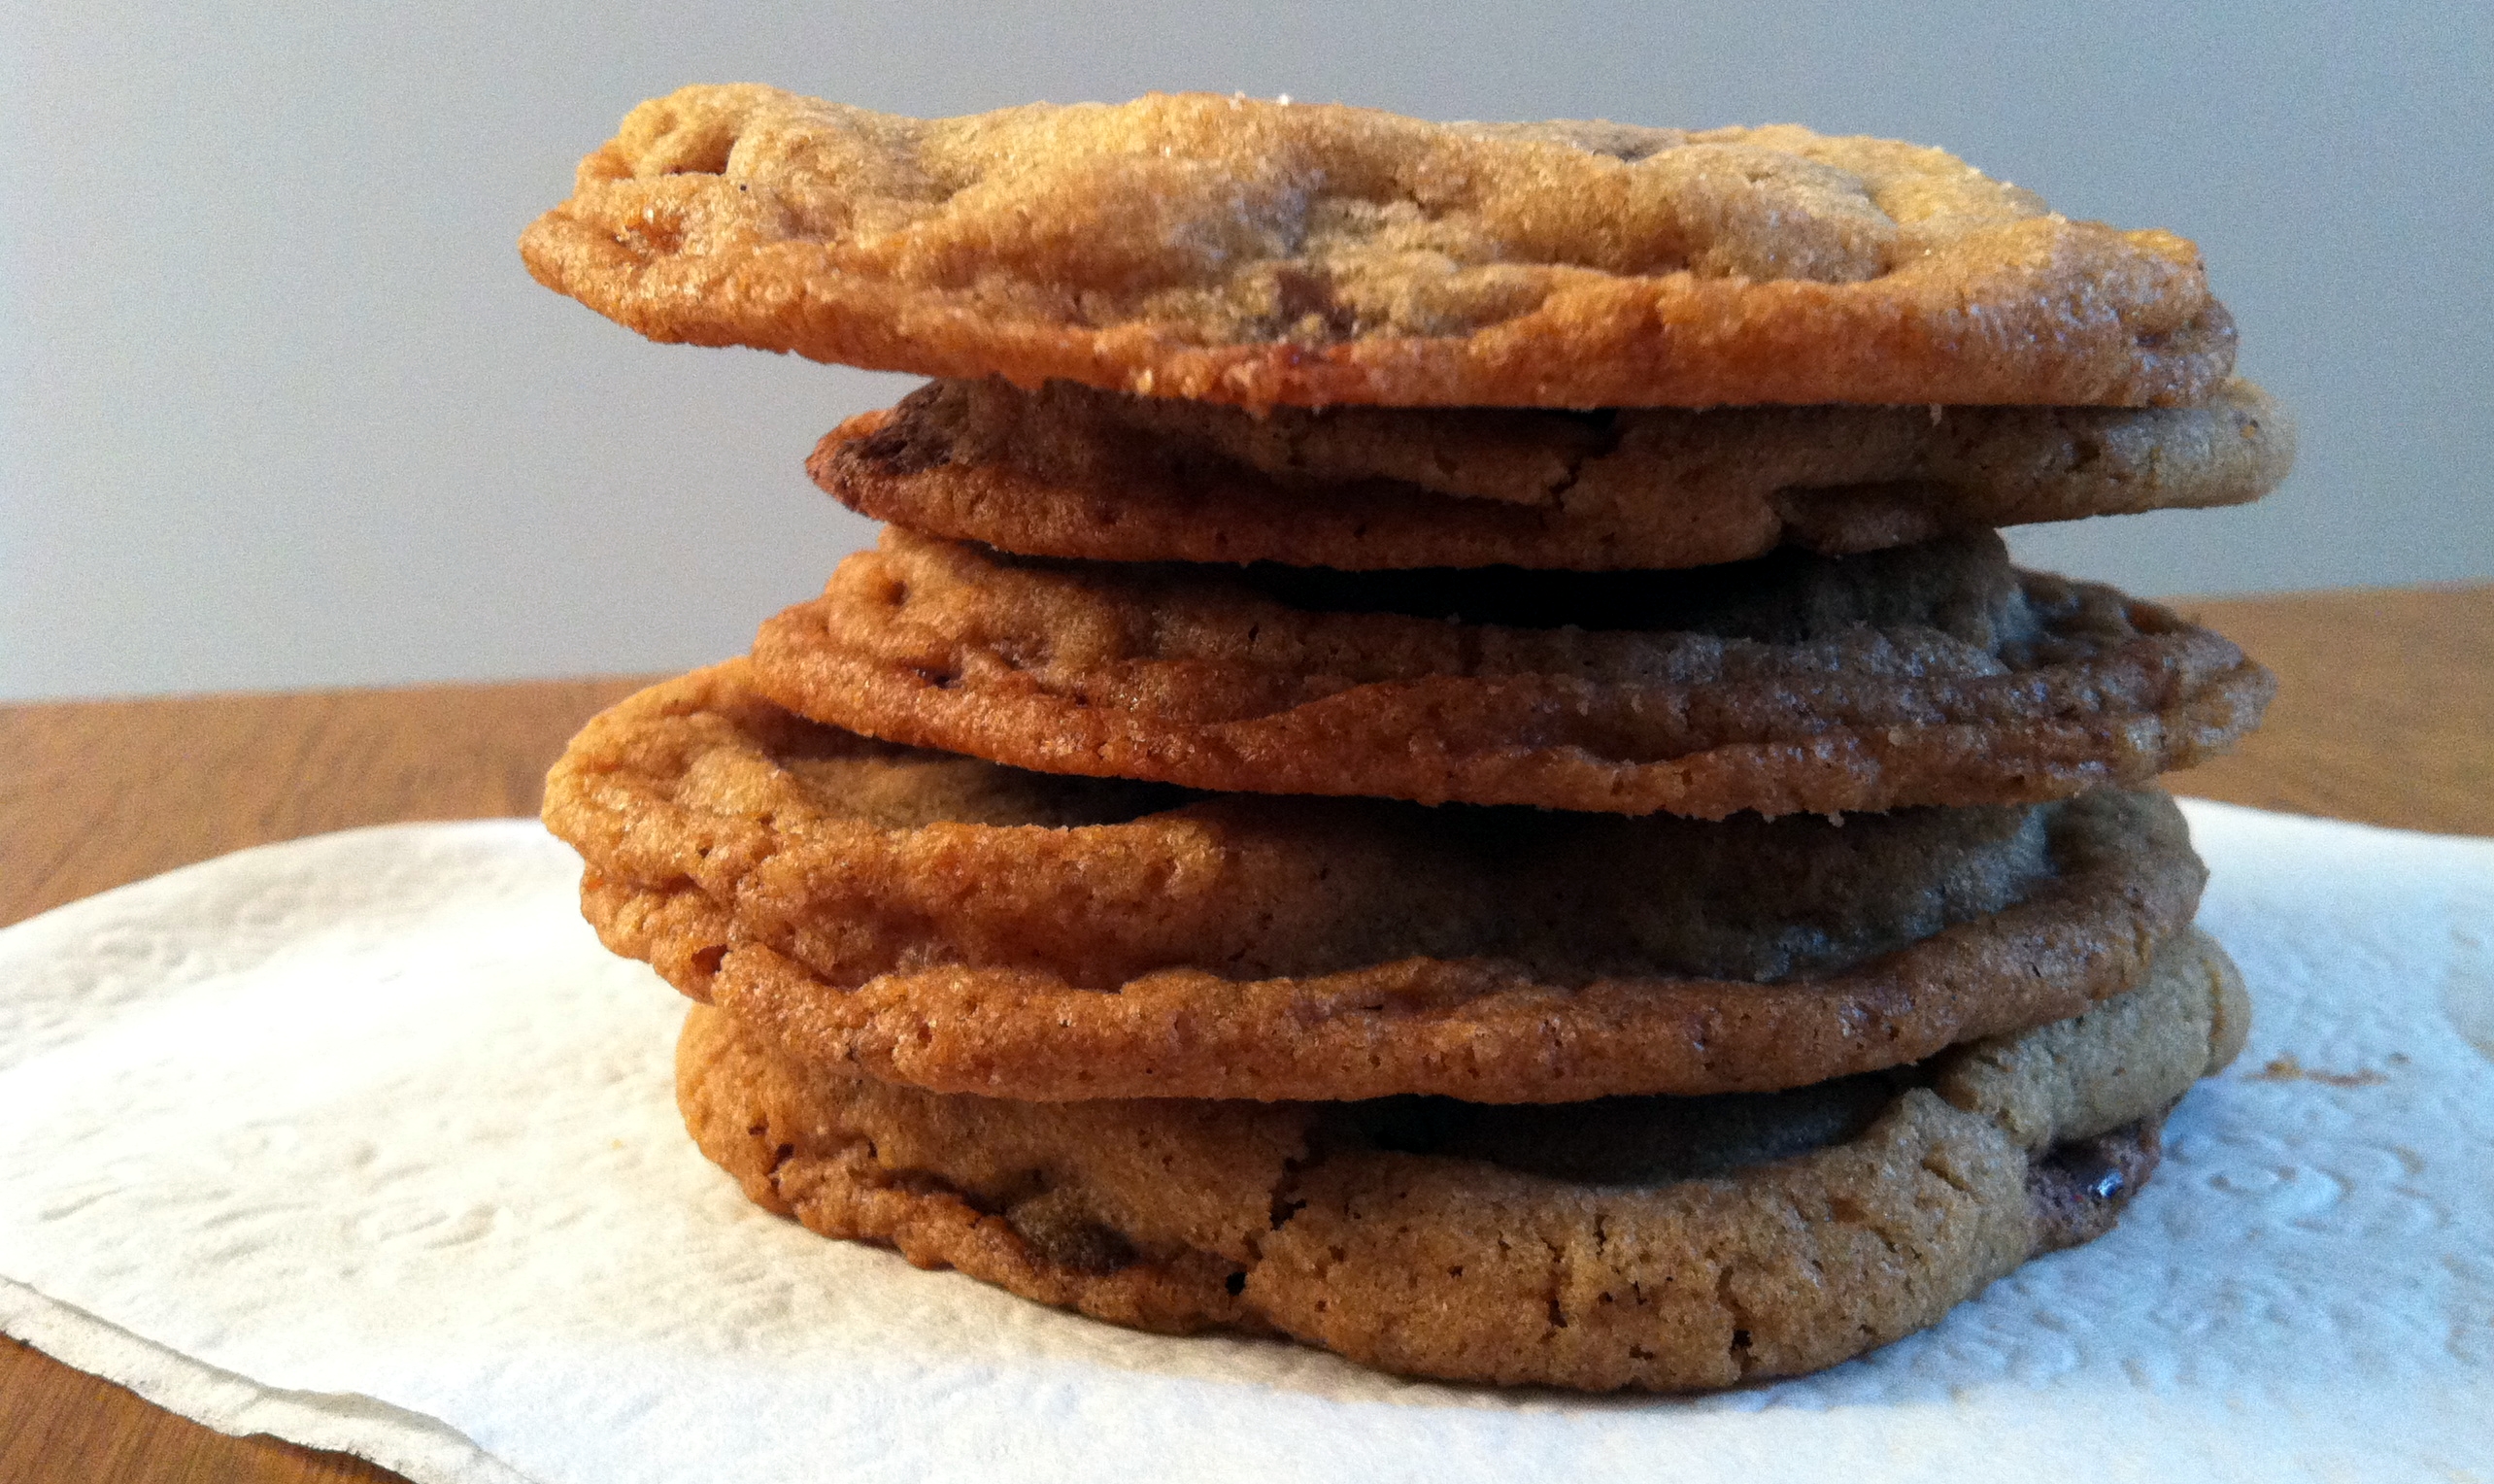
{"x": 1776, "y": 1270}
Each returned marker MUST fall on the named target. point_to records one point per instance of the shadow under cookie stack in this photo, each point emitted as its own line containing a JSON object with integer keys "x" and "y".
{"x": 1300, "y": 829}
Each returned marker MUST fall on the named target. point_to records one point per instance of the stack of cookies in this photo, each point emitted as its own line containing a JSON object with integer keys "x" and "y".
{"x": 1441, "y": 757}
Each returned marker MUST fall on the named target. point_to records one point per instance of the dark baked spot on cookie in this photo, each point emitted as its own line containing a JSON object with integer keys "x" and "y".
{"x": 2078, "y": 1189}
{"x": 1061, "y": 1228}
{"x": 1728, "y": 1300}
{"x": 1957, "y": 586}
{"x": 1635, "y": 1142}
{"x": 893, "y": 451}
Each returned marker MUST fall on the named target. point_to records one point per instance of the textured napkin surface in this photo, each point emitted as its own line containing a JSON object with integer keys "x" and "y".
{"x": 364, "y": 1141}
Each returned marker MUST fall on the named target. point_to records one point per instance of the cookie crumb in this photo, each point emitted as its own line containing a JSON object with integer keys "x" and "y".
{"x": 2285, "y": 1069}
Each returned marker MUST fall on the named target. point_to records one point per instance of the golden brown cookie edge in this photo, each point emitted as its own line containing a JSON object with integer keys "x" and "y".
{"x": 2171, "y": 696}
{"x": 2046, "y": 312}
{"x": 1895, "y": 1228}
{"x": 894, "y": 465}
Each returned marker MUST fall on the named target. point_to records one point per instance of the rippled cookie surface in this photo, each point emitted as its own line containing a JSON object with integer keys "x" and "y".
{"x": 1232, "y": 250}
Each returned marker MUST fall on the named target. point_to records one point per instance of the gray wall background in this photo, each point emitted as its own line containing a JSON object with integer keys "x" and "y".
{"x": 278, "y": 406}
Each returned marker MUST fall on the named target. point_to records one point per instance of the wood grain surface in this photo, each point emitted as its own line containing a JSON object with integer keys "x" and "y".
{"x": 2385, "y": 715}
{"x": 2384, "y": 711}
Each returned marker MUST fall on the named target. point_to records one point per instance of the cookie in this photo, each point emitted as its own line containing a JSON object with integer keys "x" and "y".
{"x": 1071, "y": 471}
{"x": 1231, "y": 249}
{"x": 1934, "y": 674}
{"x": 1655, "y": 1243}
{"x": 968, "y": 927}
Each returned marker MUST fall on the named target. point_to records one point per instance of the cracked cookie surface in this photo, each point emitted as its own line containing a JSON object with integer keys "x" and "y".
{"x": 1231, "y": 249}
{"x": 1933, "y": 674}
{"x": 1071, "y": 471}
{"x": 1653, "y": 1243}
{"x": 949, "y": 923}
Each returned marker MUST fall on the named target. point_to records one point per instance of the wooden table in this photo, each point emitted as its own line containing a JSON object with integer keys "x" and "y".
{"x": 2386, "y": 715}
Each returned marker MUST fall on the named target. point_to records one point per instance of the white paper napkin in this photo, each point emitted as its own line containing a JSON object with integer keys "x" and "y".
{"x": 364, "y": 1141}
